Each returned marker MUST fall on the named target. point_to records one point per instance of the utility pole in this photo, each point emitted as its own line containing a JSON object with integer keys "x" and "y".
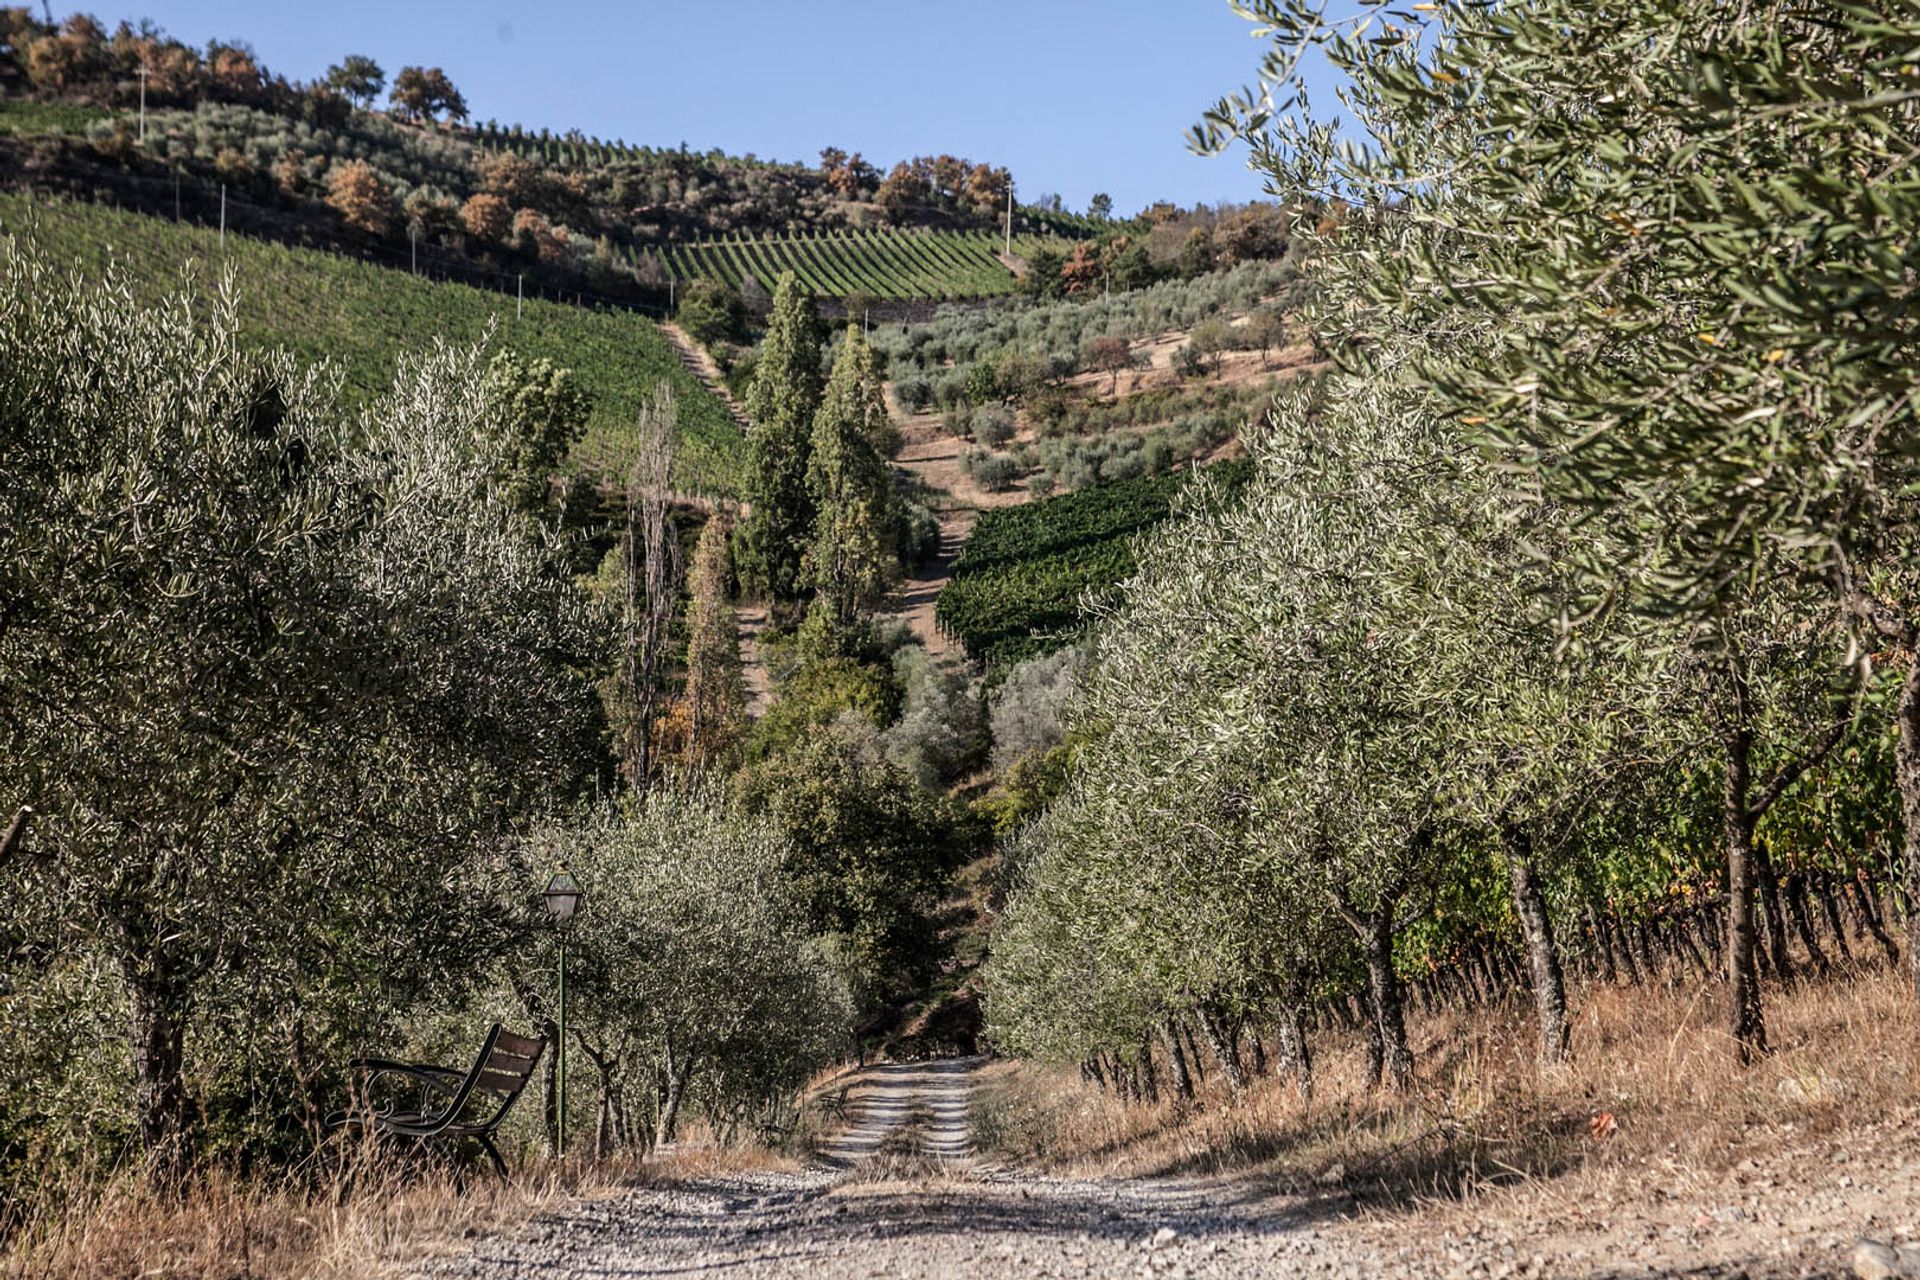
{"x": 519, "y": 294}
{"x": 413, "y": 247}
{"x": 143, "y": 104}
{"x": 223, "y": 217}
{"x": 1009, "y": 218}
{"x": 176, "y": 195}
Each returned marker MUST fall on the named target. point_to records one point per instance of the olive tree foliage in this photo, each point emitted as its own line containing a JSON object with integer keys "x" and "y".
{"x": 693, "y": 974}
{"x": 1691, "y": 225}
{"x": 277, "y": 684}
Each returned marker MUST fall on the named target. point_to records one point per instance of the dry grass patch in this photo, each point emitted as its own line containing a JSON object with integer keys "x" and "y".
{"x": 373, "y": 1219}
{"x": 1653, "y": 1082}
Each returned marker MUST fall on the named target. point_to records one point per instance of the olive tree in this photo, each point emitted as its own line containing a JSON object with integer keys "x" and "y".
{"x": 273, "y": 679}
{"x": 1690, "y": 225}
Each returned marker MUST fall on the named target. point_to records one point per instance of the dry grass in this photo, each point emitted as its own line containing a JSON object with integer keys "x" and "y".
{"x": 372, "y": 1220}
{"x": 1653, "y": 1081}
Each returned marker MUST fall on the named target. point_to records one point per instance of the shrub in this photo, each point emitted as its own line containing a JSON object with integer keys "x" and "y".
{"x": 710, "y": 312}
{"x": 992, "y": 425}
{"x": 914, "y": 393}
{"x": 1027, "y": 712}
{"x": 992, "y": 470}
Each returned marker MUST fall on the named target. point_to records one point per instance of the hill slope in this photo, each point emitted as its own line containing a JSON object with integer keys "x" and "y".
{"x": 363, "y": 317}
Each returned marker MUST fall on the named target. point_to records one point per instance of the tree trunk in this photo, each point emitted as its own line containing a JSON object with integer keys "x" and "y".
{"x": 1224, "y": 1051}
{"x": 1193, "y": 1053}
{"x": 1776, "y": 936}
{"x": 1149, "y": 1078}
{"x": 673, "y": 1088}
{"x": 1906, "y": 774}
{"x": 1869, "y": 912}
{"x": 1383, "y": 985}
{"x": 1823, "y": 886}
{"x": 157, "y": 1022}
{"x": 1296, "y": 1051}
{"x": 1619, "y": 930}
{"x": 1543, "y": 958}
{"x": 1796, "y": 900}
{"x": 1743, "y": 975}
{"x": 1602, "y": 944}
{"x": 1176, "y": 1060}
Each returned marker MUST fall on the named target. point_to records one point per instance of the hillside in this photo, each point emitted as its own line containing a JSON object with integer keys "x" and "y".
{"x": 363, "y": 317}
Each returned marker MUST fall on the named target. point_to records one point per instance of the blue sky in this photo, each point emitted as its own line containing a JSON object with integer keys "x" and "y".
{"x": 1075, "y": 96}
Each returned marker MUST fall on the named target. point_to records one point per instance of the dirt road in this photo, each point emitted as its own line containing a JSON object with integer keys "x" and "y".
{"x": 842, "y": 1220}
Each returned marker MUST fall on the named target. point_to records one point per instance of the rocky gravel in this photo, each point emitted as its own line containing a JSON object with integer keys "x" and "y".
{"x": 824, "y": 1226}
{"x": 1799, "y": 1211}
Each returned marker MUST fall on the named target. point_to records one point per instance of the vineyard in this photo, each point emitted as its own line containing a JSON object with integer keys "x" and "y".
{"x": 1019, "y": 583}
{"x": 363, "y": 318}
{"x": 885, "y": 264}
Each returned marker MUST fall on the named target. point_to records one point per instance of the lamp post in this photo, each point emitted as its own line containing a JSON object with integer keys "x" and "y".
{"x": 563, "y": 899}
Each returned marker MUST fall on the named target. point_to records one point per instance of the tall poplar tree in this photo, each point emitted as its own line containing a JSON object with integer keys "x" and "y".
{"x": 782, "y": 402}
{"x": 716, "y": 693}
{"x": 852, "y": 558}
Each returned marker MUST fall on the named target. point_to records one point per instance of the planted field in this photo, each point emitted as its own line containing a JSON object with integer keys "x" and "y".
{"x": 362, "y": 318}
{"x": 1019, "y": 583}
{"x": 886, "y": 264}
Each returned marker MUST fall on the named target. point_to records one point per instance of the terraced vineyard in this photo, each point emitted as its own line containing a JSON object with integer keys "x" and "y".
{"x": 886, "y": 264}
{"x": 362, "y": 317}
{"x": 1020, "y": 581}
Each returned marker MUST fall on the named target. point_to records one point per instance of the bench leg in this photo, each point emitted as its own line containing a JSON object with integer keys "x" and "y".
{"x": 499, "y": 1165}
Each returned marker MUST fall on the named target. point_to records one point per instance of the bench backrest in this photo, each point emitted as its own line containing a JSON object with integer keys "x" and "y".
{"x": 502, "y": 1070}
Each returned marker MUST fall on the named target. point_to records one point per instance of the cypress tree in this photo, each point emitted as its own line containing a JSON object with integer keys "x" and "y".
{"x": 781, "y": 403}
{"x": 852, "y": 559}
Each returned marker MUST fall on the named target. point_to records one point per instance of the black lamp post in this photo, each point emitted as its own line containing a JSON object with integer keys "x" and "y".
{"x": 563, "y": 899}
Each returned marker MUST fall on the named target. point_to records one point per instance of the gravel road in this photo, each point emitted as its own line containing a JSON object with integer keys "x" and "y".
{"x": 839, "y": 1221}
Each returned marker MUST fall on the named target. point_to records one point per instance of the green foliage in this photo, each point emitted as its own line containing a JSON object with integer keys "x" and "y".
{"x": 363, "y": 319}
{"x": 782, "y": 402}
{"x": 711, "y": 313}
{"x": 872, "y": 850}
{"x": 853, "y": 557}
{"x": 1021, "y": 582}
{"x": 822, "y": 691}
{"x": 543, "y": 414}
{"x": 692, "y": 964}
{"x": 276, "y": 679}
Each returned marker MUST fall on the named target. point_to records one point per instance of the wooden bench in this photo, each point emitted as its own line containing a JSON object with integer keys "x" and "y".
{"x": 453, "y": 1104}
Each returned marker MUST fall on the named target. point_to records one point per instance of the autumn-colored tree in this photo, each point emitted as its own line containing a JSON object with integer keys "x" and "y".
{"x": 532, "y": 233}
{"x": 512, "y": 177}
{"x": 987, "y": 188}
{"x": 236, "y": 72}
{"x": 949, "y": 179}
{"x": 905, "y": 189}
{"x": 71, "y": 59}
{"x": 1112, "y": 356}
{"x": 357, "y": 193}
{"x": 290, "y": 173}
{"x": 487, "y": 218}
{"x": 1082, "y": 272}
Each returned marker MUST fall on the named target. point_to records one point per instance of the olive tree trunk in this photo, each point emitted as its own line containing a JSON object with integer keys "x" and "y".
{"x": 1743, "y": 971}
{"x": 1543, "y": 958}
